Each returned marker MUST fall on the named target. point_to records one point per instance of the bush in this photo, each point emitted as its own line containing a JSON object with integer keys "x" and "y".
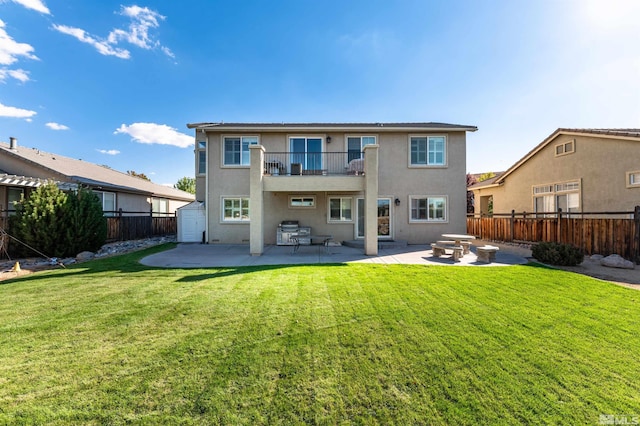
{"x": 58, "y": 224}
{"x": 557, "y": 254}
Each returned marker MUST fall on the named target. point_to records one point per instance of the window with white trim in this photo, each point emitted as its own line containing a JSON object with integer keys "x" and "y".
{"x": 235, "y": 209}
{"x": 428, "y": 209}
{"x": 633, "y": 179}
{"x": 355, "y": 145}
{"x": 340, "y": 209}
{"x": 202, "y": 157}
{"x": 160, "y": 206}
{"x": 563, "y": 195}
{"x": 108, "y": 200}
{"x": 427, "y": 150}
{"x": 302, "y": 202}
{"x": 236, "y": 150}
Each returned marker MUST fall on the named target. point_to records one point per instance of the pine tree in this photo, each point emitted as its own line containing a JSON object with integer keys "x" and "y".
{"x": 58, "y": 224}
{"x": 38, "y": 221}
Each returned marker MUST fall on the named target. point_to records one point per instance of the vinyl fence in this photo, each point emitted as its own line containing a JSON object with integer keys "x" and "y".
{"x": 594, "y": 232}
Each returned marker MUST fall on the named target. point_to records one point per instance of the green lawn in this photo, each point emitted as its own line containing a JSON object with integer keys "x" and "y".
{"x": 112, "y": 342}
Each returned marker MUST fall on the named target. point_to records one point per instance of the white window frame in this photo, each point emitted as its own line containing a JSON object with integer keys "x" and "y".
{"x": 245, "y": 152}
{"x": 342, "y": 201}
{"x": 302, "y": 201}
{"x": 101, "y": 195}
{"x": 551, "y": 193}
{"x": 240, "y": 199}
{"x": 362, "y": 144}
{"x": 633, "y": 179}
{"x": 561, "y": 148}
{"x": 160, "y": 206}
{"x": 427, "y": 149}
{"x": 429, "y": 199}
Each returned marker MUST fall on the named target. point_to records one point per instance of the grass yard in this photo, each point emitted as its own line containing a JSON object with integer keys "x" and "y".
{"x": 112, "y": 342}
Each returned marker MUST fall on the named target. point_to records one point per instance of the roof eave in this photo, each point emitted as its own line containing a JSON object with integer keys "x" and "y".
{"x": 327, "y": 127}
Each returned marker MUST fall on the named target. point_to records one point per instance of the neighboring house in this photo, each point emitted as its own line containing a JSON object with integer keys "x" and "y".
{"x": 14, "y": 187}
{"x": 118, "y": 191}
{"x": 367, "y": 181}
{"x": 576, "y": 170}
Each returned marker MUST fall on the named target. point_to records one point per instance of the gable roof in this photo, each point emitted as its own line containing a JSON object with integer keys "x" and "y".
{"x": 626, "y": 134}
{"x": 325, "y": 127}
{"x": 92, "y": 175}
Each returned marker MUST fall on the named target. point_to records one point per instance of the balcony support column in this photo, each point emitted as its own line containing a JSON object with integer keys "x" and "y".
{"x": 256, "y": 200}
{"x": 371, "y": 200}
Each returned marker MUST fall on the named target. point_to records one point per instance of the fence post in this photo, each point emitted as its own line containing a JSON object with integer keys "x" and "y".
{"x": 120, "y": 227}
{"x": 559, "y": 236}
{"x": 513, "y": 218}
{"x": 636, "y": 220}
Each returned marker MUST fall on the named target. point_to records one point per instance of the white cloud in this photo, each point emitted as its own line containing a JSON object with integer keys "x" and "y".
{"x": 9, "y": 111}
{"x": 18, "y": 74}
{"x": 108, "y": 151}
{"x": 102, "y": 46}
{"x": 11, "y": 50}
{"x": 56, "y": 126}
{"x": 137, "y": 33}
{"x": 36, "y": 5}
{"x": 152, "y": 133}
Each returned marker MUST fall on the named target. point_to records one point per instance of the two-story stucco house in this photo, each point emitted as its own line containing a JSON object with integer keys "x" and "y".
{"x": 367, "y": 181}
{"x": 576, "y": 170}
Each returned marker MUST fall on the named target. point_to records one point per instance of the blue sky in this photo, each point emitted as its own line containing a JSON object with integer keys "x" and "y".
{"x": 115, "y": 83}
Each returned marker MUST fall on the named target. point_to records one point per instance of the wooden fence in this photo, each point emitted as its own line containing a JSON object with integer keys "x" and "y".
{"x": 125, "y": 226}
{"x": 603, "y": 233}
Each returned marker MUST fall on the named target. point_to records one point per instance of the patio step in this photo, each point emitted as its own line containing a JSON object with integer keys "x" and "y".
{"x": 384, "y": 244}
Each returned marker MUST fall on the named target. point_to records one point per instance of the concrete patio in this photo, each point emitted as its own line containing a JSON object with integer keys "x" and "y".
{"x": 233, "y": 255}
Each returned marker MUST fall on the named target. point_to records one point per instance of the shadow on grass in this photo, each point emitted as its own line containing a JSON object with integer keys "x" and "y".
{"x": 130, "y": 263}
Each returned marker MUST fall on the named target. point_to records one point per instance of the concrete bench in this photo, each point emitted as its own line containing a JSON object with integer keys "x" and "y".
{"x": 441, "y": 250}
{"x": 466, "y": 245}
{"x": 486, "y": 254}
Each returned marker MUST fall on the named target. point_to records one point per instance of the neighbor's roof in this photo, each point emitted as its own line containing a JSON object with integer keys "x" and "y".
{"x": 93, "y": 175}
{"x": 378, "y": 127}
{"x": 626, "y": 134}
{"x": 485, "y": 183}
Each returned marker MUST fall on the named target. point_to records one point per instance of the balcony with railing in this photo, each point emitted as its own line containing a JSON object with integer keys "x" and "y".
{"x": 314, "y": 163}
{"x": 313, "y": 171}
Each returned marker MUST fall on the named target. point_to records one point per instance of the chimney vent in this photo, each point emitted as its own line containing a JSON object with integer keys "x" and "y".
{"x": 13, "y": 143}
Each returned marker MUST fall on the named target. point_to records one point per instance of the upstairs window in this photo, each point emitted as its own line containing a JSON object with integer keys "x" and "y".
{"x": 564, "y": 148}
{"x": 633, "y": 179}
{"x": 355, "y": 145}
{"x": 236, "y": 150}
{"x": 202, "y": 157}
{"x": 427, "y": 151}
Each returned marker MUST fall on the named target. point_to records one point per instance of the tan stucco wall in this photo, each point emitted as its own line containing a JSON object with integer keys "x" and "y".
{"x": 600, "y": 164}
{"x": 396, "y": 180}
